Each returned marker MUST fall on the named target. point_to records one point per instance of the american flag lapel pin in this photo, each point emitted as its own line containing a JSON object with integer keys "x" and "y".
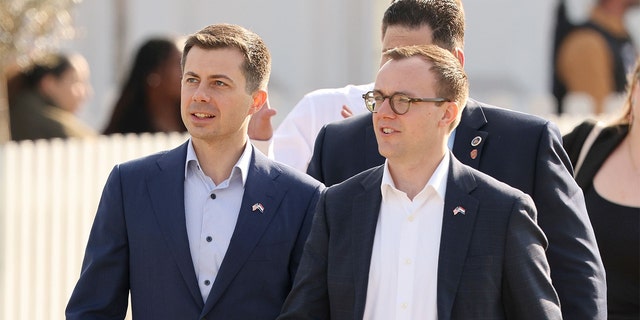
{"x": 258, "y": 206}
{"x": 459, "y": 209}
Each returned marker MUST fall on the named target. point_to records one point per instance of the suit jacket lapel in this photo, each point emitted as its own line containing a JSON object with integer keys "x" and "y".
{"x": 456, "y": 234}
{"x": 468, "y": 133}
{"x": 259, "y": 188}
{"x": 364, "y": 220}
{"x": 166, "y": 190}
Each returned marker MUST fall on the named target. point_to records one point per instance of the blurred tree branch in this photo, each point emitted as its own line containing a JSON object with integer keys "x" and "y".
{"x": 27, "y": 29}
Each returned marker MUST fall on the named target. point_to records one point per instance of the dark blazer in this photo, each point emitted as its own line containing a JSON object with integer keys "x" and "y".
{"x": 521, "y": 150}
{"x": 607, "y": 141}
{"x": 139, "y": 243}
{"x": 491, "y": 260}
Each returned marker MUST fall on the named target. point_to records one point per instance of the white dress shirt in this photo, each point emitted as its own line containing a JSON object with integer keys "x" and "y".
{"x": 403, "y": 274}
{"x": 211, "y": 212}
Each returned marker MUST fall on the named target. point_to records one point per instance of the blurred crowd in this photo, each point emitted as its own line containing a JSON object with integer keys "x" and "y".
{"x": 46, "y": 95}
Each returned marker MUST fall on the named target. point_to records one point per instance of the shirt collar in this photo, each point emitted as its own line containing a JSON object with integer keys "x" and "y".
{"x": 438, "y": 180}
{"x": 241, "y": 166}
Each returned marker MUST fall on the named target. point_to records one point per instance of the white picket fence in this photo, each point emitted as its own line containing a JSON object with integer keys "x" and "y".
{"x": 49, "y": 192}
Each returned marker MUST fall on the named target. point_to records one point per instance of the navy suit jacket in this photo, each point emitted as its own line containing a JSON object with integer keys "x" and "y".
{"x": 521, "y": 150}
{"x": 139, "y": 244}
{"x": 491, "y": 263}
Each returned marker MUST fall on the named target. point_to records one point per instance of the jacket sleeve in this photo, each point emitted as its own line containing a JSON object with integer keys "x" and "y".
{"x": 526, "y": 270}
{"x": 103, "y": 287}
{"x": 576, "y": 266}
{"x": 309, "y": 297}
{"x": 304, "y": 232}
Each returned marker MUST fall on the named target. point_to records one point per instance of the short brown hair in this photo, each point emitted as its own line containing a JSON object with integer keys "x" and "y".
{"x": 451, "y": 80}
{"x": 257, "y": 60}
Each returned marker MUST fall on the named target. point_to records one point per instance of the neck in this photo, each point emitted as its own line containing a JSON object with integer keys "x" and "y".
{"x": 410, "y": 177}
{"x": 217, "y": 158}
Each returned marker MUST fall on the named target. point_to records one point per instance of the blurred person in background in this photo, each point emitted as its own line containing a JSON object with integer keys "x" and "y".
{"x": 51, "y": 92}
{"x": 149, "y": 99}
{"x": 595, "y": 56}
{"x": 607, "y": 161}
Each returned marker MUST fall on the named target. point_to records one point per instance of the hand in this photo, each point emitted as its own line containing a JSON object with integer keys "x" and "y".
{"x": 346, "y": 112}
{"x": 260, "y": 127}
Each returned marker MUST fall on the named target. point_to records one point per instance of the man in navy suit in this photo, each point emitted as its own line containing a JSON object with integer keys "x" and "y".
{"x": 211, "y": 229}
{"x": 422, "y": 236}
{"x": 521, "y": 150}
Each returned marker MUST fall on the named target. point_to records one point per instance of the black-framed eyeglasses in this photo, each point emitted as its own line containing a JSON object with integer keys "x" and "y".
{"x": 400, "y": 102}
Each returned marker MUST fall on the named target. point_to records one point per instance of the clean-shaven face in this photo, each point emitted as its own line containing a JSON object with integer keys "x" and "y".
{"x": 214, "y": 102}
{"x": 419, "y": 132}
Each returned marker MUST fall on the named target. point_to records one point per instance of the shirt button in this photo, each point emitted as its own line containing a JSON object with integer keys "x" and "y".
{"x": 213, "y": 196}
{"x": 403, "y": 306}
{"x": 207, "y": 282}
{"x": 209, "y": 239}
{"x": 407, "y": 261}
{"x": 411, "y": 218}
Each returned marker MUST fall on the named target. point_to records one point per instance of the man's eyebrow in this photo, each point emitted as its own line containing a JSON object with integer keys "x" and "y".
{"x": 220, "y": 76}
{"x": 211, "y": 77}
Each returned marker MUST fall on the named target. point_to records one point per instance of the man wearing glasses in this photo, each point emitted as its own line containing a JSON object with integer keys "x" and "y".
{"x": 422, "y": 236}
{"x": 399, "y": 102}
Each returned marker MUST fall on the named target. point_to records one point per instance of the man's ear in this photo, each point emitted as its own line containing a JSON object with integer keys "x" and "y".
{"x": 451, "y": 111}
{"x": 459, "y": 54}
{"x": 259, "y": 98}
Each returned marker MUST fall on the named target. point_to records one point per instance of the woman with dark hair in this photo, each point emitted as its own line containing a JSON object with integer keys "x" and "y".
{"x": 607, "y": 165}
{"x": 149, "y": 101}
{"x": 52, "y": 90}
